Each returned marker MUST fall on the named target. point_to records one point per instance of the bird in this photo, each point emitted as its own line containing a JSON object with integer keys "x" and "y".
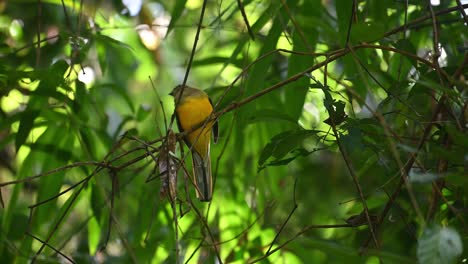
{"x": 192, "y": 108}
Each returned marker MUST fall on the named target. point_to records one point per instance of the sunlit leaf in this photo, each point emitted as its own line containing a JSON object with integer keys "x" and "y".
{"x": 283, "y": 143}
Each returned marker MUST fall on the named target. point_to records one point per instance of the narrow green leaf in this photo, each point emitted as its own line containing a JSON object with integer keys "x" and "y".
{"x": 439, "y": 245}
{"x": 18, "y": 227}
{"x": 405, "y": 45}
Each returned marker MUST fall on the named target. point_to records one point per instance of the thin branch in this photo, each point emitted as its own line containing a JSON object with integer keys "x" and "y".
{"x": 398, "y": 161}
{"x": 51, "y": 247}
{"x": 192, "y": 55}
{"x": 194, "y": 251}
{"x": 287, "y": 219}
{"x": 462, "y": 11}
{"x": 55, "y": 227}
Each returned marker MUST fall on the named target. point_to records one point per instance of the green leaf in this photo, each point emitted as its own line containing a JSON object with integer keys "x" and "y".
{"x": 439, "y": 245}
{"x": 118, "y": 132}
{"x": 97, "y": 200}
{"x": 337, "y": 112}
{"x": 295, "y": 93}
{"x": 283, "y": 143}
{"x": 269, "y": 115}
{"x": 353, "y": 140}
{"x": 81, "y": 98}
{"x": 51, "y": 79}
{"x": 295, "y": 153}
{"x": 457, "y": 136}
{"x": 366, "y": 32}
{"x": 109, "y": 61}
{"x": 431, "y": 84}
{"x": 422, "y": 177}
{"x": 19, "y": 227}
{"x": 119, "y": 90}
{"x": 26, "y": 124}
{"x": 209, "y": 61}
{"x": 94, "y": 235}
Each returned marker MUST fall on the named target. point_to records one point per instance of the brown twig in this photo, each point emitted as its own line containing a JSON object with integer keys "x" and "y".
{"x": 352, "y": 18}
{"x": 336, "y": 55}
{"x": 422, "y": 19}
{"x": 38, "y": 48}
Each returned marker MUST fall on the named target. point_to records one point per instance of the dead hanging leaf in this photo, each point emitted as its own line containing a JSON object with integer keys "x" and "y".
{"x": 167, "y": 167}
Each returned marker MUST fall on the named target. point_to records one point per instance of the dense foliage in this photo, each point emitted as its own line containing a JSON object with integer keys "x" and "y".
{"x": 342, "y": 131}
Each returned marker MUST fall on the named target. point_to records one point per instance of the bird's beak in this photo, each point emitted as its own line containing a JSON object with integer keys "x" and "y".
{"x": 172, "y": 93}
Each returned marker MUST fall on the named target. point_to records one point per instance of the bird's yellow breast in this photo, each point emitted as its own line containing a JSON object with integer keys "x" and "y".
{"x": 194, "y": 111}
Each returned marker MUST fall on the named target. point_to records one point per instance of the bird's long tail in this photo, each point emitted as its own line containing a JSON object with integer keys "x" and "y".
{"x": 202, "y": 176}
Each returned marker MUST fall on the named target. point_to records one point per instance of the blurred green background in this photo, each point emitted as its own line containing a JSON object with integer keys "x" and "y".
{"x": 377, "y": 135}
